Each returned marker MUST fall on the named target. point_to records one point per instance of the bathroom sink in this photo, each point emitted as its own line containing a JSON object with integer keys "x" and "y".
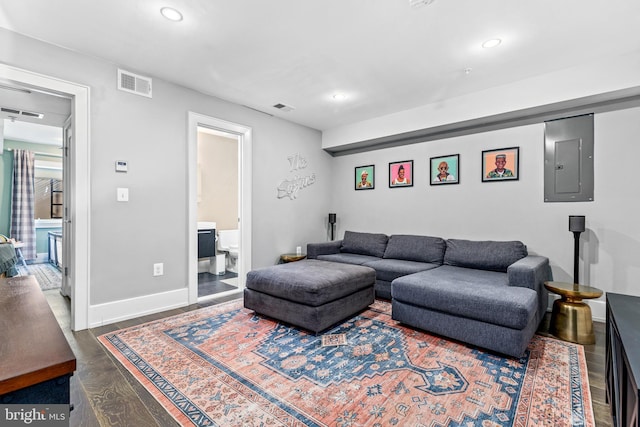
{"x": 206, "y": 225}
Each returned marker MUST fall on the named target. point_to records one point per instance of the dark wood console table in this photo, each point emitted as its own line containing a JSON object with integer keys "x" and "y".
{"x": 36, "y": 360}
{"x": 623, "y": 358}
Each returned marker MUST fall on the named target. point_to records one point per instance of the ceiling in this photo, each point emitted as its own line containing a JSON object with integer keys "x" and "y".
{"x": 383, "y": 55}
{"x": 18, "y": 109}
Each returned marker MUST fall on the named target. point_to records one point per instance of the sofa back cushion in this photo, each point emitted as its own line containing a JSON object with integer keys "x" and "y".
{"x": 416, "y": 248}
{"x": 364, "y": 243}
{"x": 483, "y": 255}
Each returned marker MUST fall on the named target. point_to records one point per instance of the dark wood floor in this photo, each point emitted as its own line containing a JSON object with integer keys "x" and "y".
{"x": 105, "y": 394}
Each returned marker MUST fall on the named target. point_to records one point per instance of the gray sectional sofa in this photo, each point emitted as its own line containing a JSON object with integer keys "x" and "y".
{"x": 486, "y": 293}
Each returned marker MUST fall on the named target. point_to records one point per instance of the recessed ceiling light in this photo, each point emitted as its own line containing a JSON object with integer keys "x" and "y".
{"x": 171, "y": 14}
{"x": 339, "y": 96}
{"x": 491, "y": 43}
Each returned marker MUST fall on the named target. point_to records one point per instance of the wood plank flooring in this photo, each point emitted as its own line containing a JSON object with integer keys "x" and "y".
{"x": 105, "y": 394}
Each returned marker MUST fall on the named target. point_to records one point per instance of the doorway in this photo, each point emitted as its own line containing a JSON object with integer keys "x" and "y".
{"x": 218, "y": 194}
{"x": 199, "y": 123}
{"x": 77, "y": 199}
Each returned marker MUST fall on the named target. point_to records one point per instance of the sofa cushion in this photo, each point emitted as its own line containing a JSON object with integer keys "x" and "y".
{"x": 483, "y": 255}
{"x": 476, "y": 294}
{"x": 415, "y": 248}
{"x": 390, "y": 269}
{"x": 364, "y": 243}
{"x": 348, "y": 258}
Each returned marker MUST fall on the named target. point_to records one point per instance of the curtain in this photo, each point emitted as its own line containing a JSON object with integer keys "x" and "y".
{"x": 23, "y": 226}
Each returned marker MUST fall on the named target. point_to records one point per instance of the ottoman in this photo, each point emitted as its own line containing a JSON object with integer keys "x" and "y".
{"x": 310, "y": 293}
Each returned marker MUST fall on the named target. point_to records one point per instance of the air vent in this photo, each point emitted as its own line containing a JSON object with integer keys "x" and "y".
{"x": 420, "y": 3}
{"x": 31, "y": 114}
{"x": 134, "y": 83}
{"x": 284, "y": 107}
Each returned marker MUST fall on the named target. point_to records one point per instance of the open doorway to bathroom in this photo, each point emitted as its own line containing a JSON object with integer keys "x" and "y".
{"x": 33, "y": 123}
{"x": 243, "y": 136}
{"x": 217, "y": 211}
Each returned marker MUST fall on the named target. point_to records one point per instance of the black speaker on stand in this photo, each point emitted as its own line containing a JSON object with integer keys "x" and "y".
{"x": 576, "y": 226}
{"x": 332, "y": 223}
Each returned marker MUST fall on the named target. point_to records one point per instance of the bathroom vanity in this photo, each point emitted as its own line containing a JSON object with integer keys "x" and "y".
{"x": 206, "y": 239}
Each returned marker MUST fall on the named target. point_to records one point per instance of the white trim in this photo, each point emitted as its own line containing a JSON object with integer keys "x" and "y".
{"x": 220, "y": 295}
{"x": 244, "y": 209}
{"x": 41, "y": 258}
{"x": 79, "y": 211}
{"x": 598, "y": 310}
{"x": 115, "y": 311}
{"x": 49, "y": 223}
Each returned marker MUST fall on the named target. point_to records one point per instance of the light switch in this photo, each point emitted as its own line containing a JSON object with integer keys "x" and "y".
{"x": 123, "y": 195}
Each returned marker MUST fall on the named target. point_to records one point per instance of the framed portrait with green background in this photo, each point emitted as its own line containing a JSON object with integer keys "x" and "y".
{"x": 445, "y": 169}
{"x": 365, "y": 179}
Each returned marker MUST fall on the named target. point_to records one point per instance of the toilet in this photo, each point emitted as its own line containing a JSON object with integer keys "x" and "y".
{"x": 228, "y": 243}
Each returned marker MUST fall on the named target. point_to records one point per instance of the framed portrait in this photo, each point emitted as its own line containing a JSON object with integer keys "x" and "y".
{"x": 401, "y": 174}
{"x": 365, "y": 179}
{"x": 501, "y": 165}
{"x": 445, "y": 170}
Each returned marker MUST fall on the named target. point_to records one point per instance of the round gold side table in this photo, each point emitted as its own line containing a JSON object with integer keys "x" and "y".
{"x": 571, "y": 317}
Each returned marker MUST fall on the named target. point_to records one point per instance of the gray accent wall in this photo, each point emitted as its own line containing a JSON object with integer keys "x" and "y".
{"x": 513, "y": 210}
{"x": 126, "y": 239}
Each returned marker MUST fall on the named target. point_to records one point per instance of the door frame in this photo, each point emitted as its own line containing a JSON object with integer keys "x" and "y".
{"x": 244, "y": 134}
{"x": 79, "y": 213}
{"x": 67, "y": 178}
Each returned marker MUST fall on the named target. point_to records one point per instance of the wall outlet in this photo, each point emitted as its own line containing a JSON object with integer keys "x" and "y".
{"x": 158, "y": 269}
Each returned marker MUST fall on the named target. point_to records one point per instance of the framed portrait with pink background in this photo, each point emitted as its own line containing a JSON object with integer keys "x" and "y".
{"x": 401, "y": 174}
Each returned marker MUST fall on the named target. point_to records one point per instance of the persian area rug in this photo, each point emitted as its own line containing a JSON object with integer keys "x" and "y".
{"x": 48, "y": 276}
{"x": 226, "y": 366}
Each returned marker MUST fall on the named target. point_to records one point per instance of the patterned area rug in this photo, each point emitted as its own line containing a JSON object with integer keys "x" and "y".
{"x": 47, "y": 275}
{"x": 225, "y": 366}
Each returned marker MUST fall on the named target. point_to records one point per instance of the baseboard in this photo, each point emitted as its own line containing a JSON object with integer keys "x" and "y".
{"x": 105, "y": 314}
{"x": 41, "y": 258}
{"x": 598, "y": 308}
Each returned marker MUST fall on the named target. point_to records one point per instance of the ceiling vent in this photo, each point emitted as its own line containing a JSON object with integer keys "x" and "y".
{"x": 31, "y": 114}
{"x": 134, "y": 83}
{"x": 420, "y": 3}
{"x": 284, "y": 107}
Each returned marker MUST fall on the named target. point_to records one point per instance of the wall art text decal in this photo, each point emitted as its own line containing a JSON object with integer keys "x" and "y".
{"x": 290, "y": 187}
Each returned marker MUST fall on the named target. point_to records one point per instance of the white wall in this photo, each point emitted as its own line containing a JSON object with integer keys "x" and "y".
{"x": 126, "y": 239}
{"x": 511, "y": 210}
{"x": 151, "y": 134}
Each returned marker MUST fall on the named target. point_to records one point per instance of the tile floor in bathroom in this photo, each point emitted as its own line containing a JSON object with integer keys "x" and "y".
{"x": 209, "y": 284}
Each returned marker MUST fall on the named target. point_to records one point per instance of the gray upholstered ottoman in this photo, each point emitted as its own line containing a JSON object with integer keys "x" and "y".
{"x": 312, "y": 294}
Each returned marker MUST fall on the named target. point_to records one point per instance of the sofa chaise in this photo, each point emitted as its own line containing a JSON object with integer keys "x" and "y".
{"x": 486, "y": 293}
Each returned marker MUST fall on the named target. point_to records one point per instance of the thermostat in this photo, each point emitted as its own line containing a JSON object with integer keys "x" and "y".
{"x": 121, "y": 166}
